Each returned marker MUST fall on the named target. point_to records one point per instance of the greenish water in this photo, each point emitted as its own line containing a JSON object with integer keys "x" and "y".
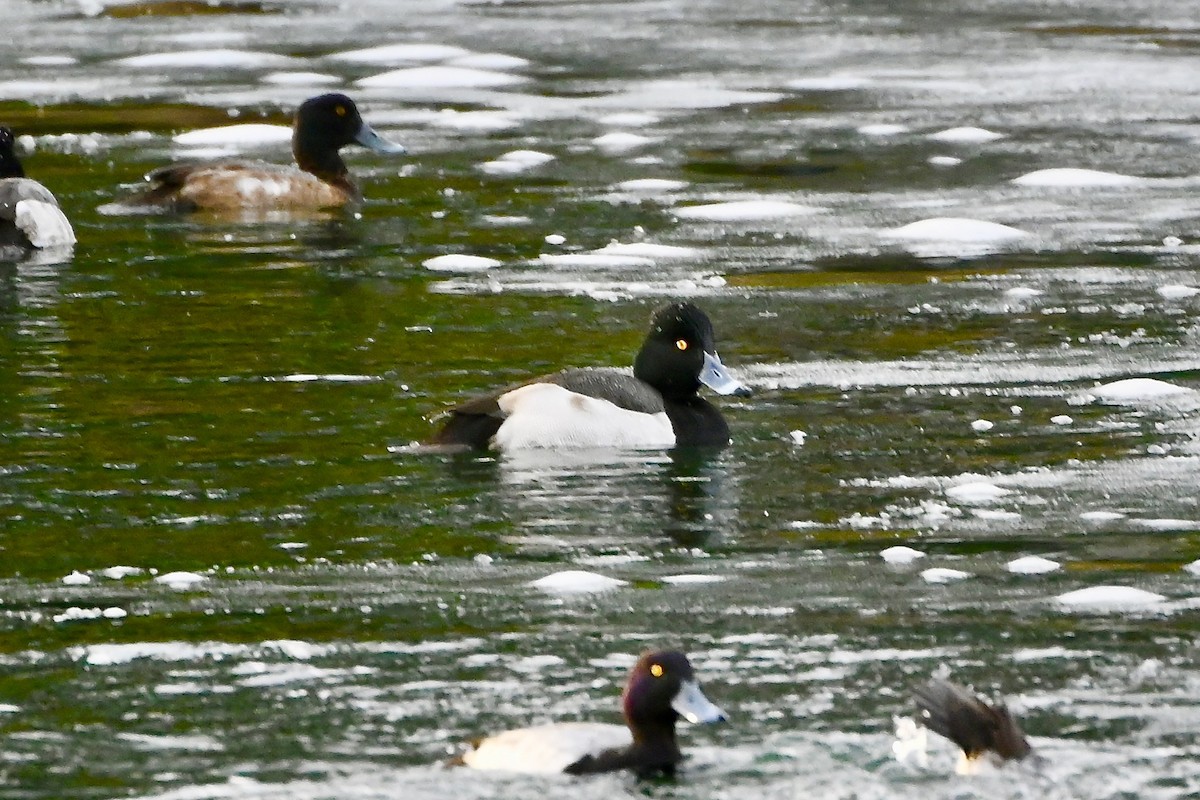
{"x": 239, "y": 398}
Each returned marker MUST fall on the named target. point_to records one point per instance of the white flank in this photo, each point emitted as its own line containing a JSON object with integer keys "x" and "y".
{"x": 43, "y": 224}
{"x": 546, "y": 748}
{"x": 547, "y": 415}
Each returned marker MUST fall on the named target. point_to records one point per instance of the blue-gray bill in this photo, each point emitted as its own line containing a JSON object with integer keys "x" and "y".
{"x": 715, "y": 376}
{"x": 371, "y": 140}
{"x": 691, "y": 704}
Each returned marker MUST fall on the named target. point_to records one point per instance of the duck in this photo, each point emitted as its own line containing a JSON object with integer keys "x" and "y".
{"x": 977, "y": 727}
{"x": 29, "y": 213}
{"x": 662, "y": 688}
{"x": 319, "y": 179}
{"x": 657, "y": 405}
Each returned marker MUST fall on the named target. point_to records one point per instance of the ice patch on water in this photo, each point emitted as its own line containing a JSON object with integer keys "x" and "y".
{"x": 247, "y": 135}
{"x": 207, "y": 59}
{"x": 1193, "y": 567}
{"x": 301, "y": 79}
{"x": 692, "y": 578}
{"x": 620, "y": 142}
{"x": 681, "y": 94}
{"x": 486, "y": 121}
{"x": 119, "y": 572}
{"x": 49, "y": 61}
{"x": 1177, "y": 291}
{"x": 943, "y": 575}
{"x": 882, "y": 129}
{"x": 900, "y": 554}
{"x": 401, "y": 54}
{"x": 744, "y": 210}
{"x": 1101, "y": 516}
{"x": 576, "y": 581}
{"x": 76, "y": 578}
{"x": 1132, "y": 391}
{"x": 455, "y": 262}
{"x": 516, "y": 161}
{"x": 181, "y": 580}
{"x": 957, "y": 230}
{"x": 648, "y": 250}
{"x": 1073, "y": 178}
{"x": 830, "y": 83}
{"x": 982, "y": 425}
{"x": 1109, "y": 598}
{"x": 966, "y": 135}
{"x": 1032, "y": 565}
{"x": 332, "y": 377}
{"x": 629, "y": 119}
{"x": 944, "y": 161}
{"x": 652, "y": 185}
{"x": 1165, "y": 524}
{"x": 440, "y": 78}
{"x": 500, "y": 62}
{"x": 976, "y": 493}
{"x": 595, "y": 260}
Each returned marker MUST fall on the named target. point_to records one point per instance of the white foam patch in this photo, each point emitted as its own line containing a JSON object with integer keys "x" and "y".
{"x": 247, "y": 134}
{"x": 798, "y": 437}
{"x": 681, "y": 94}
{"x": 943, "y": 575}
{"x": 1032, "y": 565}
{"x": 401, "y": 54}
{"x": 119, "y": 572}
{"x": 958, "y": 230}
{"x": 648, "y": 250}
{"x": 976, "y": 493}
{"x": 966, "y": 135}
{"x": 1101, "y": 516}
{"x": 516, "y": 161}
{"x": 692, "y": 578}
{"x": 830, "y": 83}
{"x": 1109, "y": 598}
{"x": 1074, "y": 178}
{"x": 1175, "y": 291}
{"x": 441, "y": 78}
{"x": 1167, "y": 524}
{"x": 485, "y": 121}
{"x": 207, "y": 59}
{"x": 1132, "y": 391}
{"x": 576, "y": 581}
{"x": 455, "y": 262}
{"x": 301, "y": 79}
{"x": 944, "y": 161}
{"x": 900, "y": 554}
{"x": 76, "y": 578}
{"x": 982, "y": 425}
{"x": 595, "y": 260}
{"x": 744, "y": 210}
{"x": 652, "y": 185}
{"x": 181, "y": 580}
{"x": 882, "y": 129}
{"x": 621, "y": 142}
{"x": 1023, "y": 293}
{"x": 501, "y": 62}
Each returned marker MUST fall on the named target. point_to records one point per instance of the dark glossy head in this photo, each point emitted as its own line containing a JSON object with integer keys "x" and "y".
{"x": 662, "y": 688}
{"x": 324, "y": 125}
{"x": 10, "y": 165}
{"x": 680, "y": 353}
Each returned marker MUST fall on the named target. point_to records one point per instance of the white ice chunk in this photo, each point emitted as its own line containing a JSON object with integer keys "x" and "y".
{"x": 1072, "y": 178}
{"x": 441, "y": 78}
{"x": 1109, "y": 598}
{"x": 1032, "y": 565}
{"x": 576, "y": 581}
{"x": 943, "y": 575}
{"x": 740, "y": 210}
{"x": 976, "y": 493}
{"x": 966, "y": 135}
{"x": 900, "y": 554}
{"x": 960, "y": 230}
{"x": 455, "y": 262}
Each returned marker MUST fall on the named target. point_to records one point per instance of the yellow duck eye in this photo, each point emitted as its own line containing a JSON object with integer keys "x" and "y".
{"x": 681, "y": 344}
{"x": 656, "y": 669}
{"x": 340, "y": 111}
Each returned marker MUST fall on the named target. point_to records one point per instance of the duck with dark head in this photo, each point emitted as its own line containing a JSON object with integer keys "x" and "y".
{"x": 29, "y": 213}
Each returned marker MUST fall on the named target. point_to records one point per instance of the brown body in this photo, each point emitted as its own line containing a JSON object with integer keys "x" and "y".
{"x": 951, "y": 711}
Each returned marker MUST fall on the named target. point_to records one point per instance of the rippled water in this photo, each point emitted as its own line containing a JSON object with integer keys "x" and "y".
{"x": 234, "y": 399}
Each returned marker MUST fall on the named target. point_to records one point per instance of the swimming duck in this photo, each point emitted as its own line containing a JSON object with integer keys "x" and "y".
{"x": 978, "y": 728}
{"x": 656, "y": 405}
{"x": 662, "y": 687}
{"x": 29, "y": 214}
{"x": 320, "y": 179}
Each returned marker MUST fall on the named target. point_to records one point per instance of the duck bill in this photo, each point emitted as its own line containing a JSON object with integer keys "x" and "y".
{"x": 715, "y": 376}
{"x": 371, "y": 140}
{"x": 691, "y": 704}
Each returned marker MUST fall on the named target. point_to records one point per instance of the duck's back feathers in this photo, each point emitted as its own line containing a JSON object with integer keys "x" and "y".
{"x": 231, "y": 184}
{"x": 955, "y": 713}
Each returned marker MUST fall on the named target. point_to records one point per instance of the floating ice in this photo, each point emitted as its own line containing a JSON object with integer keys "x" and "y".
{"x": 966, "y": 135}
{"x": 976, "y": 493}
{"x": 1022, "y": 292}
{"x": 301, "y": 79}
{"x": 682, "y": 94}
{"x": 650, "y": 185}
{"x": 1032, "y": 565}
{"x": 516, "y": 161}
{"x": 330, "y": 377}
{"x": 798, "y": 437}
{"x": 119, "y": 572}
{"x": 830, "y": 83}
{"x": 459, "y": 263}
{"x": 49, "y": 61}
{"x": 692, "y": 578}
{"x": 76, "y": 578}
{"x": 943, "y": 575}
{"x": 959, "y": 230}
{"x": 440, "y": 78}
{"x": 576, "y": 581}
{"x": 113, "y": 612}
{"x": 1177, "y": 291}
{"x": 180, "y": 580}
{"x": 629, "y": 119}
{"x": 882, "y": 129}
{"x": 899, "y": 554}
{"x": 739, "y": 210}
{"x": 620, "y": 142}
{"x": 554, "y": 238}
{"x": 1193, "y": 567}
{"x": 596, "y": 259}
{"x": 648, "y": 250}
{"x": 1166, "y": 524}
{"x": 1109, "y": 598}
{"x": 1133, "y": 390}
{"x": 944, "y": 161}
{"x": 1101, "y": 516}
{"x": 982, "y": 425}
{"x": 1072, "y": 178}
{"x": 253, "y": 133}
{"x": 475, "y": 120}
{"x": 493, "y": 61}
{"x": 1062, "y": 419}
{"x": 401, "y": 53}
{"x": 211, "y": 59}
